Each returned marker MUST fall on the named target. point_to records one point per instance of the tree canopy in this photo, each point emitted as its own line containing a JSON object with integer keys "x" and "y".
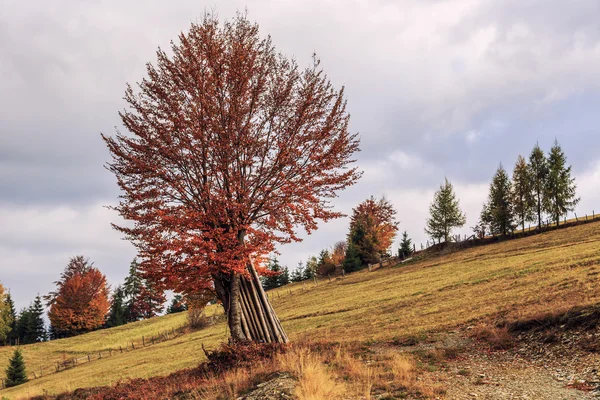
{"x": 444, "y": 213}
{"x": 230, "y": 147}
{"x": 560, "y": 188}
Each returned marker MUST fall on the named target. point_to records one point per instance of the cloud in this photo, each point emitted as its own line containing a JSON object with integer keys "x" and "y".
{"x": 435, "y": 88}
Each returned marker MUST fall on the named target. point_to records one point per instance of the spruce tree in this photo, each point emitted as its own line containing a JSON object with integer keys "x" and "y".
{"x": 498, "y": 211}
{"x": 22, "y": 327}
{"x": 7, "y": 317}
{"x": 523, "y": 199}
{"x": 132, "y": 289}
{"x": 36, "y": 329}
{"x": 560, "y": 189}
{"x": 272, "y": 281}
{"x": 365, "y": 243}
{"x": 298, "y": 273}
{"x": 284, "y": 278}
{"x": 311, "y": 268}
{"x": 352, "y": 261}
{"x": 445, "y": 213}
{"x": 538, "y": 171}
{"x": 15, "y": 373}
{"x": 177, "y": 305}
{"x": 117, "y": 313}
{"x": 406, "y": 247}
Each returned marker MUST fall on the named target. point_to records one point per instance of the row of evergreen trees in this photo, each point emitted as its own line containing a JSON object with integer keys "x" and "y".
{"x": 28, "y": 326}
{"x": 541, "y": 186}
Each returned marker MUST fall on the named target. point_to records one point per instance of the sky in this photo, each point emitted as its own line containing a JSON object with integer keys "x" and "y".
{"x": 435, "y": 88}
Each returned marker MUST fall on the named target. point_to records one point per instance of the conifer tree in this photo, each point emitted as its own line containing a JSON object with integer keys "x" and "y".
{"x": 365, "y": 243}
{"x": 406, "y": 247}
{"x": 445, "y": 213}
{"x": 22, "y": 327}
{"x": 116, "y": 314}
{"x": 298, "y": 273}
{"x": 12, "y": 318}
{"x": 271, "y": 281}
{"x": 325, "y": 265}
{"x": 352, "y": 261}
{"x": 498, "y": 212}
{"x": 36, "y": 328}
{"x": 523, "y": 199}
{"x": 538, "y": 170}
{"x": 560, "y": 190}
{"x": 16, "y": 373}
{"x": 311, "y": 267}
{"x": 177, "y": 305}
{"x": 132, "y": 289}
{"x": 284, "y": 278}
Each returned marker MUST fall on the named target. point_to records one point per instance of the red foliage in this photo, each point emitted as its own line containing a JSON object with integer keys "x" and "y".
{"x": 230, "y": 147}
{"x": 378, "y": 218}
{"x": 81, "y": 301}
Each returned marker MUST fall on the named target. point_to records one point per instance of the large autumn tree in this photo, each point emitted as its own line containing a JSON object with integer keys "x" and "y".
{"x": 230, "y": 146}
{"x": 81, "y": 300}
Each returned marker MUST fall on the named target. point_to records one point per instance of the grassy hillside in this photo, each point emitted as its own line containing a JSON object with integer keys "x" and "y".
{"x": 510, "y": 280}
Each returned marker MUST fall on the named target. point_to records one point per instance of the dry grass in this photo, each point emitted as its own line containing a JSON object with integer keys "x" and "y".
{"x": 511, "y": 280}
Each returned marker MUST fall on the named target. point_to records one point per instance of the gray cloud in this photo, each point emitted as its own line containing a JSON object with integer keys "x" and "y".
{"x": 437, "y": 88}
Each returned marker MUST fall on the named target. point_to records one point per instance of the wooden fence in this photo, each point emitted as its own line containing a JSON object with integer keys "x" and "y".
{"x": 130, "y": 345}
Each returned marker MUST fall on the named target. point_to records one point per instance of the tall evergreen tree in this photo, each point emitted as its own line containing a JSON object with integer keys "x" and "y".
{"x": 284, "y": 278}
{"x": 498, "y": 211}
{"x": 22, "y": 327}
{"x": 132, "y": 289}
{"x": 6, "y": 318}
{"x": 365, "y": 243}
{"x": 272, "y": 281}
{"x": 117, "y": 313}
{"x": 11, "y": 318}
{"x": 406, "y": 247}
{"x": 538, "y": 170}
{"x": 298, "y": 273}
{"x": 16, "y": 373}
{"x": 352, "y": 261}
{"x": 178, "y": 304}
{"x": 560, "y": 190}
{"x": 523, "y": 199}
{"x": 36, "y": 327}
{"x": 445, "y": 213}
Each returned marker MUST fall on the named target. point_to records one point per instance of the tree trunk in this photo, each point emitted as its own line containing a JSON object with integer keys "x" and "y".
{"x": 250, "y": 315}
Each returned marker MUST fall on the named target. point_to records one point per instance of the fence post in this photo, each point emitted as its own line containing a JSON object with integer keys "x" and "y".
{"x": 110, "y": 352}
{"x": 143, "y": 342}
{"x": 121, "y": 348}
{"x": 100, "y": 355}
{"x": 576, "y": 220}
{"x": 369, "y": 267}
{"x": 343, "y": 273}
{"x": 132, "y": 346}
{"x": 89, "y": 358}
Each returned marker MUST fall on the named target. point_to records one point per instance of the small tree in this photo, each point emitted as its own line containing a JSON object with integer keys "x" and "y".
{"x": 339, "y": 252}
{"x": 498, "y": 212}
{"x": 406, "y": 247}
{"x": 117, "y": 313}
{"x": 560, "y": 189}
{"x": 6, "y": 317}
{"x": 36, "y": 327}
{"x": 311, "y": 268}
{"x": 352, "y": 261}
{"x": 284, "y": 277}
{"x": 177, "y": 305}
{"x": 373, "y": 227}
{"x": 523, "y": 199}
{"x": 271, "y": 281}
{"x": 15, "y": 373}
{"x": 325, "y": 265}
{"x": 298, "y": 273}
{"x": 538, "y": 171}
{"x": 445, "y": 213}
{"x": 144, "y": 299}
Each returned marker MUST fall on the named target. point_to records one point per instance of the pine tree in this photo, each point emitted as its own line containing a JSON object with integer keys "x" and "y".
{"x": 406, "y": 247}
{"x": 116, "y": 315}
{"x": 445, "y": 213}
{"x": 560, "y": 189}
{"x": 132, "y": 289}
{"x": 21, "y": 327}
{"x": 298, "y": 273}
{"x": 352, "y": 261}
{"x": 284, "y": 278}
{"x": 177, "y": 305}
{"x": 15, "y": 373}
{"x": 498, "y": 211}
{"x": 523, "y": 199}
{"x": 365, "y": 243}
{"x": 36, "y": 329}
{"x": 538, "y": 171}
{"x": 325, "y": 265}
{"x": 272, "y": 281}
